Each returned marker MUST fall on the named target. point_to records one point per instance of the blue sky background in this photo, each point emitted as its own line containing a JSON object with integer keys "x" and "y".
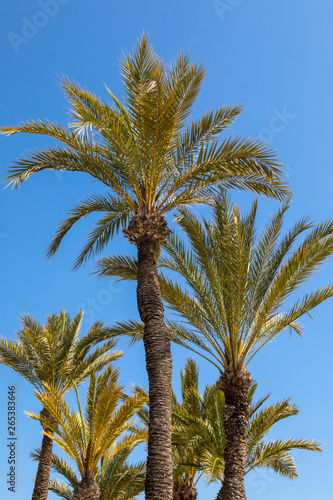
{"x": 273, "y": 57}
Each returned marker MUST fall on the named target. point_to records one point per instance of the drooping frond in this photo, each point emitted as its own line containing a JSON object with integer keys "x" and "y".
{"x": 117, "y": 213}
{"x": 275, "y": 455}
{"x": 61, "y": 489}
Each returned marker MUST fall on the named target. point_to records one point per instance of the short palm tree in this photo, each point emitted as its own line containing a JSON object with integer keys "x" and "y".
{"x": 150, "y": 162}
{"x": 184, "y": 454}
{"x": 54, "y": 354}
{"x": 199, "y": 438}
{"x": 235, "y": 302}
{"x": 87, "y": 438}
{"x": 118, "y": 480}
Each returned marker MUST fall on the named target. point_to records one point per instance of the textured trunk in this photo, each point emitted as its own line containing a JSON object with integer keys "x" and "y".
{"x": 147, "y": 231}
{"x": 159, "y": 482}
{"x": 44, "y": 466}
{"x": 184, "y": 489}
{"x": 87, "y": 489}
{"x": 235, "y": 386}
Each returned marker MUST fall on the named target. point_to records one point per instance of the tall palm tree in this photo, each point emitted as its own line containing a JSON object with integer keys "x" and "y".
{"x": 54, "y": 354}
{"x": 199, "y": 437}
{"x": 237, "y": 285}
{"x": 118, "y": 480}
{"x": 151, "y": 162}
{"x": 86, "y": 438}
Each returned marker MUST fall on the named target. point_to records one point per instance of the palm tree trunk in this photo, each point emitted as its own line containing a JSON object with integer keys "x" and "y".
{"x": 87, "y": 489}
{"x": 184, "y": 489}
{"x": 159, "y": 483}
{"x": 147, "y": 230}
{"x": 235, "y": 386}
{"x": 41, "y": 487}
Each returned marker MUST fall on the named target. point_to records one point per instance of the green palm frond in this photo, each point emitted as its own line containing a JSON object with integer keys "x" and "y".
{"x": 122, "y": 481}
{"x": 275, "y": 455}
{"x": 132, "y": 329}
{"x": 116, "y": 216}
{"x": 14, "y": 356}
{"x": 120, "y": 267}
{"x": 98, "y": 238}
{"x": 61, "y": 489}
{"x": 261, "y": 424}
{"x": 60, "y": 466}
{"x": 118, "y": 480}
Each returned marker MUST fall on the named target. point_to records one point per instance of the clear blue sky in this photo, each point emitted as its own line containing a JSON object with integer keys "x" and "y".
{"x": 273, "y": 57}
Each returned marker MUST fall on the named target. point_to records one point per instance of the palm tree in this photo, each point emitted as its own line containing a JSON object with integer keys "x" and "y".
{"x": 235, "y": 301}
{"x": 151, "y": 162}
{"x": 118, "y": 480}
{"x": 54, "y": 354}
{"x": 86, "y": 439}
{"x": 184, "y": 455}
{"x": 199, "y": 438}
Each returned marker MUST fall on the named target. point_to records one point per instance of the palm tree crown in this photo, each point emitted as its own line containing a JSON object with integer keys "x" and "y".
{"x": 198, "y": 431}
{"x": 54, "y": 354}
{"x": 237, "y": 282}
{"x": 240, "y": 282}
{"x": 98, "y": 433}
{"x": 144, "y": 151}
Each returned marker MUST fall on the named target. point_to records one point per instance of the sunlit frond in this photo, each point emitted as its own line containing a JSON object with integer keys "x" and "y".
{"x": 87, "y": 436}
{"x": 54, "y": 353}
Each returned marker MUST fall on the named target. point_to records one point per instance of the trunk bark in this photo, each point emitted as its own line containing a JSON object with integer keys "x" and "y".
{"x": 147, "y": 230}
{"x": 87, "y": 489}
{"x": 235, "y": 386}
{"x": 41, "y": 487}
{"x": 159, "y": 482}
{"x": 184, "y": 489}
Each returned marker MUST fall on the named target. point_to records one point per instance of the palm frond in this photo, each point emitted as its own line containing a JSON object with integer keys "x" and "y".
{"x": 116, "y": 209}
{"x": 120, "y": 267}
{"x": 61, "y": 489}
